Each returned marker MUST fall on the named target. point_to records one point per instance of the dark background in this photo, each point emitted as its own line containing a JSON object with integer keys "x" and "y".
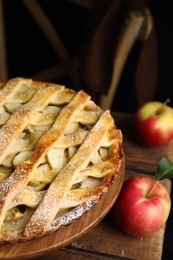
{"x": 29, "y": 52}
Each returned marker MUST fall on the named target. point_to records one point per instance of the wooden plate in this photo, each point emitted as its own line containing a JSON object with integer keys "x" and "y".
{"x": 69, "y": 234}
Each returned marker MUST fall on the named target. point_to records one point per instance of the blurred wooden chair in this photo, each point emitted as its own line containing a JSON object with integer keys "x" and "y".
{"x": 68, "y": 65}
{"x": 107, "y": 51}
{"x": 88, "y": 71}
{"x": 137, "y": 28}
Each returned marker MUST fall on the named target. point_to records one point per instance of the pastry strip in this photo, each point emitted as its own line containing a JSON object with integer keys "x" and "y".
{"x": 24, "y": 172}
{"x": 11, "y": 88}
{"x": 20, "y": 118}
{"x": 100, "y": 170}
{"x": 47, "y": 210}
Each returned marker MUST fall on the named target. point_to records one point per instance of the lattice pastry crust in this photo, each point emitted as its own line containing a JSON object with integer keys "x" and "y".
{"x": 59, "y": 152}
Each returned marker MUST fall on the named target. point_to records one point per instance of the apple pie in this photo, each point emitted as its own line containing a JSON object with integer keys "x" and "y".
{"x": 59, "y": 153}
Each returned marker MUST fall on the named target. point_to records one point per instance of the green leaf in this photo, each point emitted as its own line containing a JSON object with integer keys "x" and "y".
{"x": 164, "y": 169}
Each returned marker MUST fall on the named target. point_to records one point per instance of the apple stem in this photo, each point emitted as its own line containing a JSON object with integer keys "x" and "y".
{"x": 152, "y": 189}
{"x": 162, "y": 106}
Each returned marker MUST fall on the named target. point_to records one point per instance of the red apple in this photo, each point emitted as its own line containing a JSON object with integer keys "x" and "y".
{"x": 153, "y": 124}
{"x": 139, "y": 212}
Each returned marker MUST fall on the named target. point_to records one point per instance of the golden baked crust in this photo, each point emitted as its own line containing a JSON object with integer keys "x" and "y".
{"x": 59, "y": 152}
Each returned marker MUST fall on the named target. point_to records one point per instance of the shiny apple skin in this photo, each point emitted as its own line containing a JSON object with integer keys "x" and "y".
{"x": 152, "y": 129}
{"x": 138, "y": 214}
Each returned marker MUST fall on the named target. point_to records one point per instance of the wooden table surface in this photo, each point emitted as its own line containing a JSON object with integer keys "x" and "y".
{"x": 107, "y": 240}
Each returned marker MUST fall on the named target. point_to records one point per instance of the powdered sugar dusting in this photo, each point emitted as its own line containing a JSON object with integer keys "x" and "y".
{"x": 6, "y": 134}
{"x": 74, "y": 214}
{"x": 50, "y": 214}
